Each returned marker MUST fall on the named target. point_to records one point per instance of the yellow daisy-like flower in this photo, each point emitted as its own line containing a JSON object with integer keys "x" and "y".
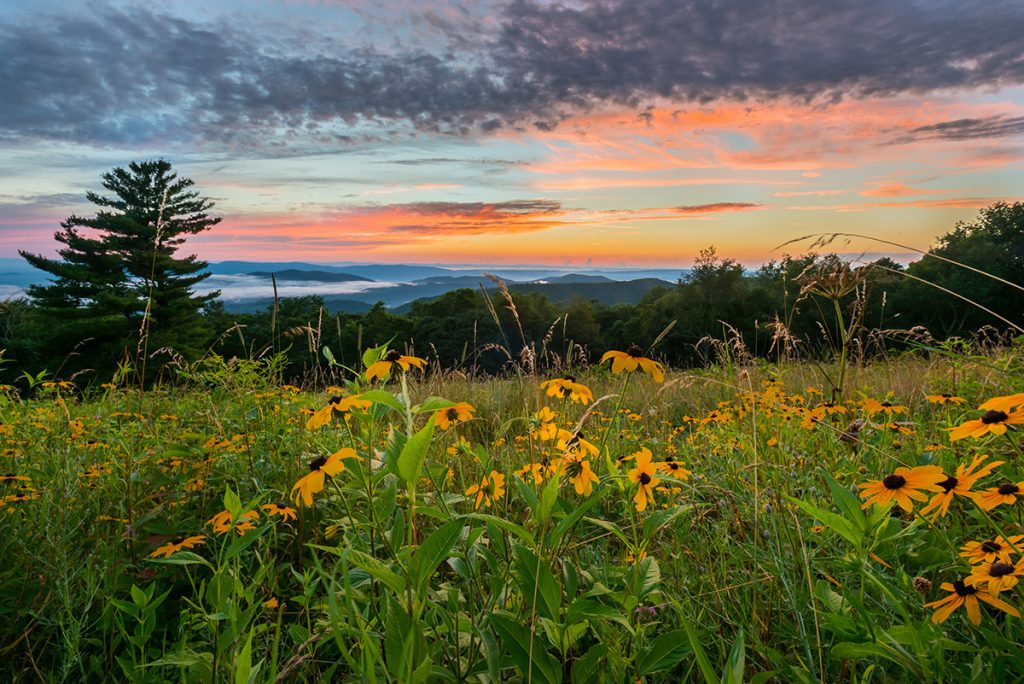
{"x": 1006, "y": 404}
{"x": 280, "y": 509}
{"x": 644, "y": 477}
{"x": 995, "y": 577}
{"x": 573, "y": 442}
{"x": 337, "y": 404}
{"x": 382, "y": 369}
{"x": 886, "y": 407}
{"x": 675, "y": 469}
{"x": 490, "y": 489}
{"x": 545, "y": 428}
{"x": 568, "y": 387}
{"x": 959, "y": 484}
{"x": 1007, "y": 493}
{"x": 991, "y": 550}
{"x": 453, "y": 415}
{"x": 962, "y": 594}
{"x": 319, "y": 469}
{"x": 992, "y": 422}
{"x": 577, "y": 468}
{"x": 634, "y": 358}
{"x": 945, "y": 398}
{"x": 177, "y": 544}
{"x": 223, "y": 522}
{"x": 902, "y": 486}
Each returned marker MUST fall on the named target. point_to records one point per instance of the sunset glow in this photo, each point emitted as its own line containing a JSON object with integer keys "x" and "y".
{"x": 646, "y": 161}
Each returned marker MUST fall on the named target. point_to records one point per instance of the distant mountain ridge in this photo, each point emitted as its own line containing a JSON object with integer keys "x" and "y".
{"x": 299, "y": 275}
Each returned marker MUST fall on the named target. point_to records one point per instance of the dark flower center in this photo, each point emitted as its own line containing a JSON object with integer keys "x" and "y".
{"x": 570, "y": 378}
{"x": 281, "y": 505}
{"x": 990, "y": 547}
{"x": 949, "y": 484}
{"x": 635, "y": 351}
{"x": 645, "y": 479}
{"x": 894, "y": 481}
{"x": 334, "y": 400}
{"x": 672, "y": 465}
{"x": 992, "y": 417}
{"x": 317, "y": 464}
{"x": 1008, "y": 488}
{"x": 452, "y": 414}
{"x": 177, "y": 540}
{"x": 886, "y": 404}
{"x": 393, "y": 356}
{"x": 946, "y": 395}
{"x": 962, "y": 589}
{"x": 1000, "y": 569}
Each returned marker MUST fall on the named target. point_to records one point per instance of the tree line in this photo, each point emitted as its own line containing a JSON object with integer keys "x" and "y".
{"x": 120, "y": 298}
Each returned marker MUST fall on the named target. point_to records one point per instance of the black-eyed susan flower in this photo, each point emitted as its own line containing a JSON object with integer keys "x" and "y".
{"x": 224, "y": 522}
{"x": 945, "y": 398}
{"x": 382, "y": 369}
{"x": 319, "y": 469}
{"x": 959, "y": 484}
{"x": 568, "y": 387}
{"x": 177, "y": 544}
{"x": 337, "y": 405}
{"x": 991, "y": 550}
{"x": 453, "y": 415}
{"x": 644, "y": 477}
{"x": 995, "y": 577}
{"x": 280, "y": 509}
{"x": 634, "y": 358}
{"x": 490, "y": 489}
{"x": 903, "y": 486}
{"x": 574, "y": 442}
{"x": 675, "y": 469}
{"x": 962, "y": 594}
{"x": 887, "y": 407}
{"x": 577, "y": 468}
{"x": 1007, "y": 493}
{"x": 545, "y": 428}
{"x": 1006, "y": 404}
{"x": 992, "y": 422}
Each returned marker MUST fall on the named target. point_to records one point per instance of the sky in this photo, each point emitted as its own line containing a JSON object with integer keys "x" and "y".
{"x": 584, "y": 132}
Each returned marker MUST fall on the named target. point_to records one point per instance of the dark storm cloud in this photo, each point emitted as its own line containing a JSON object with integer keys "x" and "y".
{"x": 133, "y": 76}
{"x": 969, "y": 129}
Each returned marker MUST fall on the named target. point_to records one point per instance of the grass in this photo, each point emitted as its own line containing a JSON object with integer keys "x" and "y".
{"x": 760, "y": 565}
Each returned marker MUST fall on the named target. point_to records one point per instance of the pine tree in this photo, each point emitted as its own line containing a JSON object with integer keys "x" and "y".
{"x": 118, "y": 276}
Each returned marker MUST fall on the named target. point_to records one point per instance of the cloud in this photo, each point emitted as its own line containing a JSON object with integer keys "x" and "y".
{"x": 968, "y": 129}
{"x": 716, "y": 207}
{"x": 132, "y": 76}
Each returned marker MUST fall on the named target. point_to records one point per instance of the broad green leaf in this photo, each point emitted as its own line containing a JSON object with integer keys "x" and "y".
{"x": 431, "y": 404}
{"x": 665, "y": 652}
{"x": 410, "y": 461}
{"x": 383, "y": 398}
{"x": 548, "y": 497}
{"x": 542, "y": 667}
{"x": 734, "y": 667}
{"x": 538, "y": 585}
{"x": 833, "y": 521}
{"x": 434, "y": 551}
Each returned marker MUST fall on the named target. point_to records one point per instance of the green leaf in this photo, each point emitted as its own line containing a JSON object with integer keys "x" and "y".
{"x": 542, "y": 667}
{"x": 577, "y": 514}
{"x": 243, "y": 666}
{"x": 431, "y": 404}
{"x": 373, "y": 354}
{"x": 548, "y": 497}
{"x": 703, "y": 662}
{"x": 506, "y": 525}
{"x": 232, "y": 504}
{"x": 383, "y": 398}
{"x": 376, "y": 569}
{"x": 536, "y": 582}
{"x": 584, "y": 670}
{"x": 329, "y": 355}
{"x": 410, "y": 461}
{"x": 433, "y": 552}
{"x": 837, "y": 523}
{"x": 665, "y": 652}
{"x": 734, "y": 667}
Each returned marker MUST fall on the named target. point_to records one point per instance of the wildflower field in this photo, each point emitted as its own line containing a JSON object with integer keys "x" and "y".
{"x": 618, "y": 523}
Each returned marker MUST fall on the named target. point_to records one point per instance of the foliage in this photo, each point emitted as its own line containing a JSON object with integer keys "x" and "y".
{"x": 118, "y": 284}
